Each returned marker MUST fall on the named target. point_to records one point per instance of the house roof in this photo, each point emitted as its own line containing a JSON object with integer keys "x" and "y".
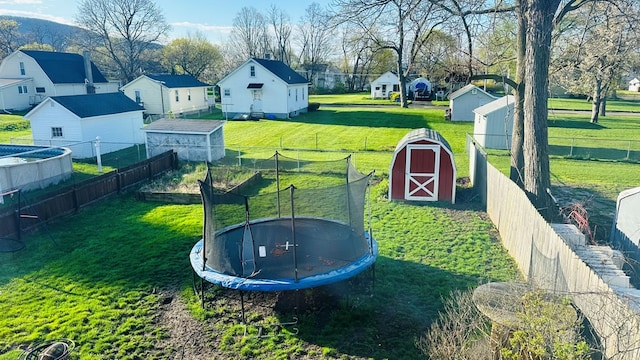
{"x": 467, "y": 88}
{"x": 184, "y": 126}
{"x": 499, "y": 103}
{"x": 282, "y": 70}
{"x": 64, "y": 68}
{"x": 177, "y": 81}
{"x": 90, "y": 105}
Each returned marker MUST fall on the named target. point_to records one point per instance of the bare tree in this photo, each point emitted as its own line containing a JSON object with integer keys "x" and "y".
{"x": 594, "y": 49}
{"x": 281, "y": 27}
{"x": 249, "y": 33}
{"x": 193, "y": 55}
{"x": 125, "y": 30}
{"x": 314, "y": 39}
{"x": 402, "y": 26}
{"x": 9, "y": 36}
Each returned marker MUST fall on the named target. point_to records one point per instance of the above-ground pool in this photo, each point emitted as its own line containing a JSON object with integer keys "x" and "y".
{"x": 28, "y": 167}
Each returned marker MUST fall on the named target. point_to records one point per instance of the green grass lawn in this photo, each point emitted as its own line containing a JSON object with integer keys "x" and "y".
{"x": 102, "y": 277}
{"x": 363, "y": 98}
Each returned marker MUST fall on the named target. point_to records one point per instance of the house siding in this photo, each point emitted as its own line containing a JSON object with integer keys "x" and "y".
{"x": 463, "y": 104}
{"x": 159, "y": 99}
{"x": 12, "y": 99}
{"x": 116, "y": 131}
{"x": 389, "y": 79}
{"x": 275, "y": 102}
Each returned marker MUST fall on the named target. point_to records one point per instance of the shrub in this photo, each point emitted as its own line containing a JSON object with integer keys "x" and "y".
{"x": 313, "y": 106}
{"x": 394, "y": 96}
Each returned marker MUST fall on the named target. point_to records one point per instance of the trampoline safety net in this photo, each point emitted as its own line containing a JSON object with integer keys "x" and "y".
{"x": 290, "y": 233}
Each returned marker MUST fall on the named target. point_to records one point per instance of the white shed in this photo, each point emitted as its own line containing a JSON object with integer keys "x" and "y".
{"x": 463, "y": 101}
{"x": 384, "y": 85}
{"x": 634, "y": 85}
{"x": 493, "y": 124}
{"x": 75, "y": 121}
{"x": 192, "y": 140}
{"x": 15, "y": 94}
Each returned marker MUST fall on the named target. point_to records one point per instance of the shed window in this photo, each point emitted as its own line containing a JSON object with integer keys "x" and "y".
{"x": 138, "y": 97}
{"x": 252, "y": 71}
{"x": 56, "y": 132}
{"x": 22, "y": 89}
{"x": 227, "y": 92}
{"x": 22, "y": 72}
{"x": 40, "y": 90}
{"x": 177, "y": 96}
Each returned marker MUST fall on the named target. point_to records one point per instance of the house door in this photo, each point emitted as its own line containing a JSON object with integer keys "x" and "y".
{"x": 256, "y": 106}
{"x": 421, "y": 177}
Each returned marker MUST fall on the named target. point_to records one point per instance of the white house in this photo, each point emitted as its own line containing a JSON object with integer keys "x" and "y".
{"x": 384, "y": 85}
{"x": 463, "y": 101}
{"x": 192, "y": 140}
{"x": 163, "y": 94}
{"x": 493, "y": 124}
{"x": 263, "y": 88}
{"x": 75, "y": 121}
{"x": 634, "y": 85}
{"x": 47, "y": 73}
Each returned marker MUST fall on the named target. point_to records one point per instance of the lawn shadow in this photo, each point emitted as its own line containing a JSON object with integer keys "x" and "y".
{"x": 575, "y": 124}
{"x": 372, "y": 118}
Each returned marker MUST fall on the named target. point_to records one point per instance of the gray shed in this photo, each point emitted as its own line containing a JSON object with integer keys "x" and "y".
{"x": 192, "y": 140}
{"x": 463, "y": 101}
{"x": 493, "y": 124}
{"x": 625, "y": 230}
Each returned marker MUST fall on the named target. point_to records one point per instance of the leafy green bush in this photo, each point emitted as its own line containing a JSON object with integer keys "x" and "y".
{"x": 14, "y": 125}
{"x": 313, "y": 106}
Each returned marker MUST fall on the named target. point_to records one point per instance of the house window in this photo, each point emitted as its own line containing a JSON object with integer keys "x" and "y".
{"x": 252, "y": 71}
{"x": 296, "y": 94}
{"x": 138, "y": 97}
{"x": 227, "y": 92}
{"x": 188, "y": 94}
{"x": 396, "y": 87}
{"x": 40, "y": 90}
{"x": 22, "y": 72}
{"x": 56, "y": 132}
{"x": 22, "y": 89}
{"x": 177, "y": 97}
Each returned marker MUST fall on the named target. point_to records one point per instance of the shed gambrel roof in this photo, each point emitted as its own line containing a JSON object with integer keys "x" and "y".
{"x": 177, "y": 81}
{"x": 64, "y": 68}
{"x": 282, "y": 70}
{"x": 90, "y": 105}
{"x": 423, "y": 134}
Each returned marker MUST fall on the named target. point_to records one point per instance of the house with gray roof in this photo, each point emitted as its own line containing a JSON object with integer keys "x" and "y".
{"x": 76, "y": 121}
{"x": 169, "y": 95}
{"x": 263, "y": 88}
{"x": 27, "y": 77}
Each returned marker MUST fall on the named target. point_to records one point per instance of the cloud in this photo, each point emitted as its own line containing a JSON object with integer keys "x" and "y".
{"x": 20, "y": 2}
{"x": 36, "y": 15}
{"x": 203, "y": 27}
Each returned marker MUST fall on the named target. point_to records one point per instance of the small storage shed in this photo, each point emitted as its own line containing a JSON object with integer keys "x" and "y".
{"x": 634, "y": 85}
{"x": 423, "y": 168}
{"x": 192, "y": 140}
{"x": 494, "y": 123}
{"x": 463, "y": 101}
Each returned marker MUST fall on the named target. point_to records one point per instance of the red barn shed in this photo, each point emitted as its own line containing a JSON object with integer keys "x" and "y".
{"x": 423, "y": 168}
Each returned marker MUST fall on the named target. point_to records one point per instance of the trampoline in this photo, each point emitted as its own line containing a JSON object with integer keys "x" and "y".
{"x": 288, "y": 240}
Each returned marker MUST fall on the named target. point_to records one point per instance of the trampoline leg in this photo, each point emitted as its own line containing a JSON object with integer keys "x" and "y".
{"x": 202, "y": 292}
{"x": 242, "y": 307}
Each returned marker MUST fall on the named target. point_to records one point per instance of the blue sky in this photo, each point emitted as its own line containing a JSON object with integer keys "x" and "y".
{"x": 211, "y": 17}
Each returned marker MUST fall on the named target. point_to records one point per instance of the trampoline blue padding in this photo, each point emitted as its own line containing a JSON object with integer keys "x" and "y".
{"x": 256, "y": 283}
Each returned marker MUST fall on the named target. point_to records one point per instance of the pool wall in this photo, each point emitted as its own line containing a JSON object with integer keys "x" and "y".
{"x": 44, "y": 166}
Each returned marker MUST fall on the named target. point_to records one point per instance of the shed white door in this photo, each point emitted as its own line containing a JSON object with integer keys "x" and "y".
{"x": 421, "y": 181}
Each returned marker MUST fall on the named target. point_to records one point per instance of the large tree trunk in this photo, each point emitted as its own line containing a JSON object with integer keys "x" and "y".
{"x": 536, "y": 83}
{"x": 516, "y": 173}
{"x": 595, "y": 104}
